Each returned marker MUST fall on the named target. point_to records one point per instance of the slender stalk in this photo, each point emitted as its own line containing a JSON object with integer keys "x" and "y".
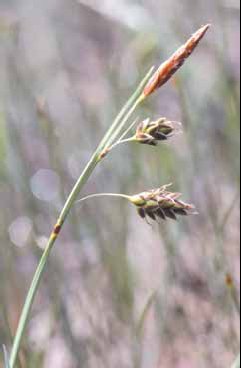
{"x": 120, "y": 140}
{"x": 44, "y": 259}
{"x": 120, "y": 127}
{"x": 144, "y": 315}
{"x": 101, "y": 195}
{"x": 128, "y": 140}
{"x": 138, "y": 95}
{"x": 111, "y": 134}
{"x": 128, "y": 130}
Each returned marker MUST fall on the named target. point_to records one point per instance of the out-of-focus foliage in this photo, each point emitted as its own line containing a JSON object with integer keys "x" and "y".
{"x": 66, "y": 67}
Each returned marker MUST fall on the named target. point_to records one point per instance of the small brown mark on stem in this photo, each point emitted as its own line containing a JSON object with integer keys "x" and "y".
{"x": 104, "y": 153}
{"x": 56, "y": 230}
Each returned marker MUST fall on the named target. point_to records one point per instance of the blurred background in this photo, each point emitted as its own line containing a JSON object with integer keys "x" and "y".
{"x": 119, "y": 293}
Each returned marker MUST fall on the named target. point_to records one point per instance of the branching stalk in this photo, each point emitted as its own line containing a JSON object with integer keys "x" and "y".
{"x": 129, "y": 109}
{"x": 123, "y": 141}
{"x": 155, "y": 203}
{"x": 108, "y": 139}
{"x": 125, "y": 120}
{"x": 128, "y": 130}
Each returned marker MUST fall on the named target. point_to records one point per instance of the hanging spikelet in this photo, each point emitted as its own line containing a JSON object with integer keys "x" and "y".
{"x": 152, "y": 132}
{"x": 161, "y": 203}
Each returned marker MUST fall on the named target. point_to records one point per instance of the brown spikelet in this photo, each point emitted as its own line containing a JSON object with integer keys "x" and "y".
{"x": 172, "y": 65}
{"x": 160, "y": 203}
{"x": 151, "y": 132}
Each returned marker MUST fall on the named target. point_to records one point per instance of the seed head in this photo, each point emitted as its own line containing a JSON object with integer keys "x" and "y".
{"x": 171, "y": 66}
{"x": 160, "y": 203}
{"x": 150, "y": 132}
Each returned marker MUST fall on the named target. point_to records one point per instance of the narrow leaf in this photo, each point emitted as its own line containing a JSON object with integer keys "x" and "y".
{"x": 144, "y": 315}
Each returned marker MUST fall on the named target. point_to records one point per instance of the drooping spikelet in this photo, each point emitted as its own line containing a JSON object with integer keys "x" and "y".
{"x": 172, "y": 65}
{"x": 151, "y": 132}
{"x": 161, "y": 203}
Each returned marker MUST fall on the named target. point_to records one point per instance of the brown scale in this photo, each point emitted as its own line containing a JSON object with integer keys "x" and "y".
{"x": 172, "y": 65}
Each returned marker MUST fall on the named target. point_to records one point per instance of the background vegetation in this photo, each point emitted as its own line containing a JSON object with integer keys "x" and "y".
{"x": 66, "y": 67}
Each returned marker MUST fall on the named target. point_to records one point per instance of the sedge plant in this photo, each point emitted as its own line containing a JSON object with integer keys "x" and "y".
{"x": 155, "y": 204}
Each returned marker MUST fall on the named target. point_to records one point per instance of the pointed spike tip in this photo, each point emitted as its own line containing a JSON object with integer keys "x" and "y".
{"x": 202, "y": 31}
{"x": 167, "y": 69}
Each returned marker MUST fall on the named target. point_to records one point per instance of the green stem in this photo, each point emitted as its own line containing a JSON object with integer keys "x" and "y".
{"x": 138, "y": 95}
{"x": 44, "y": 259}
{"x": 128, "y": 140}
{"x": 128, "y": 130}
{"x": 120, "y": 127}
{"x": 123, "y": 116}
{"x": 101, "y": 195}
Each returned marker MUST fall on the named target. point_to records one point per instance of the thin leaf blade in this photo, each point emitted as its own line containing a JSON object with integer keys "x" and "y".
{"x": 146, "y": 310}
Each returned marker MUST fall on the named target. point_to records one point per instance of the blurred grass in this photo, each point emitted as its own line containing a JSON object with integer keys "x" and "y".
{"x": 2, "y": 143}
{"x": 6, "y": 365}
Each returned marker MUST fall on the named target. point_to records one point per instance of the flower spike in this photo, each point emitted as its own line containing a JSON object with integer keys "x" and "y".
{"x": 151, "y": 132}
{"x": 160, "y": 203}
{"x": 174, "y": 63}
